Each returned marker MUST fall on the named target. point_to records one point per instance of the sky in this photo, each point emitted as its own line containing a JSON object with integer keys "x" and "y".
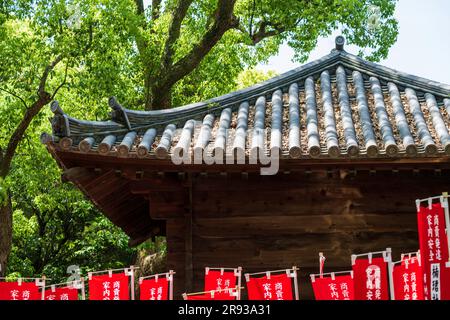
{"x": 422, "y": 47}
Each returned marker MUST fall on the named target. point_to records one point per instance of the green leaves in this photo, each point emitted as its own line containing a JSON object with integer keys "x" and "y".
{"x": 112, "y": 50}
{"x": 54, "y": 226}
{"x": 250, "y": 77}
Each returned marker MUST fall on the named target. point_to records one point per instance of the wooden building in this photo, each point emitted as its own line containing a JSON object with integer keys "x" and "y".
{"x": 357, "y": 144}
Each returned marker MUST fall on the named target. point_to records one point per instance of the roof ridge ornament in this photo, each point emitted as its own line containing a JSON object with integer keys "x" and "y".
{"x": 339, "y": 42}
{"x": 55, "y": 108}
{"x": 60, "y": 121}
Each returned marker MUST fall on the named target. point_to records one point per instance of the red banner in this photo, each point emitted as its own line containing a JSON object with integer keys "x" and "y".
{"x": 339, "y": 288}
{"x": 65, "y": 293}
{"x": 105, "y": 287}
{"x": 433, "y": 250}
{"x": 371, "y": 279}
{"x": 274, "y": 287}
{"x": 253, "y": 291}
{"x": 154, "y": 289}
{"x": 217, "y": 280}
{"x": 408, "y": 280}
{"x": 445, "y": 292}
{"x": 24, "y": 291}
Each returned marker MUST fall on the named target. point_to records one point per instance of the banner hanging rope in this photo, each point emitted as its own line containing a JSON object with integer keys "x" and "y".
{"x": 386, "y": 255}
{"x": 110, "y": 271}
{"x": 331, "y": 274}
{"x": 168, "y": 275}
{"x": 272, "y": 271}
{"x": 232, "y": 291}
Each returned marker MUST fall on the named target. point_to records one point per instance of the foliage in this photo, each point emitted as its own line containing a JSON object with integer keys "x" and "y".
{"x": 250, "y": 77}
{"x": 54, "y": 225}
{"x": 113, "y": 48}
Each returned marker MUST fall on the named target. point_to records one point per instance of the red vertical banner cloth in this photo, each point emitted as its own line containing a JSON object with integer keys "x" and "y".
{"x": 337, "y": 288}
{"x": 64, "y": 293}
{"x": 22, "y": 291}
{"x": 445, "y": 289}
{"x": 105, "y": 287}
{"x": 253, "y": 291}
{"x": 273, "y": 287}
{"x": 154, "y": 289}
{"x": 371, "y": 279}
{"x": 433, "y": 251}
{"x": 222, "y": 283}
{"x": 408, "y": 280}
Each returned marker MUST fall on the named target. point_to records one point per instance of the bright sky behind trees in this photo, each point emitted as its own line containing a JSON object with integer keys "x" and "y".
{"x": 422, "y": 48}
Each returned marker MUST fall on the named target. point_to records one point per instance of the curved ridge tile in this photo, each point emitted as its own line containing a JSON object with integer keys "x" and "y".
{"x": 383, "y": 118}
{"x": 421, "y": 125}
{"x": 312, "y": 124}
{"x": 346, "y": 113}
{"x": 364, "y": 115}
{"x": 330, "y": 122}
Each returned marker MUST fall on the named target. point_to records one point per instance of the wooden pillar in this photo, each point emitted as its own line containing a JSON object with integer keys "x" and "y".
{"x": 170, "y": 202}
{"x": 176, "y": 254}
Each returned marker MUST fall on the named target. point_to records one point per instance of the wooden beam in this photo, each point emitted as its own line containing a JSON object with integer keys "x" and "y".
{"x": 253, "y": 226}
{"x": 151, "y": 185}
{"x": 78, "y": 159}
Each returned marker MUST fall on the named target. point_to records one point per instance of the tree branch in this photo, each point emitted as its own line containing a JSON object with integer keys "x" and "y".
{"x": 16, "y": 96}
{"x": 48, "y": 68}
{"x": 250, "y": 26}
{"x": 174, "y": 32}
{"x": 141, "y": 43}
{"x": 43, "y": 98}
{"x": 139, "y": 6}
{"x": 62, "y": 83}
{"x": 263, "y": 33}
{"x": 91, "y": 37}
{"x": 224, "y": 20}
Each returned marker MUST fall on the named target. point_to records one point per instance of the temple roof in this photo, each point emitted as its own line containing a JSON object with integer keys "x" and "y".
{"x": 339, "y": 106}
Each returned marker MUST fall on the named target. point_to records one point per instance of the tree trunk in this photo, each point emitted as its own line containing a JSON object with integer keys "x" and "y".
{"x": 5, "y": 234}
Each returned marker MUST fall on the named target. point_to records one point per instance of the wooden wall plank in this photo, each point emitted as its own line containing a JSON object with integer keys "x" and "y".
{"x": 291, "y": 225}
